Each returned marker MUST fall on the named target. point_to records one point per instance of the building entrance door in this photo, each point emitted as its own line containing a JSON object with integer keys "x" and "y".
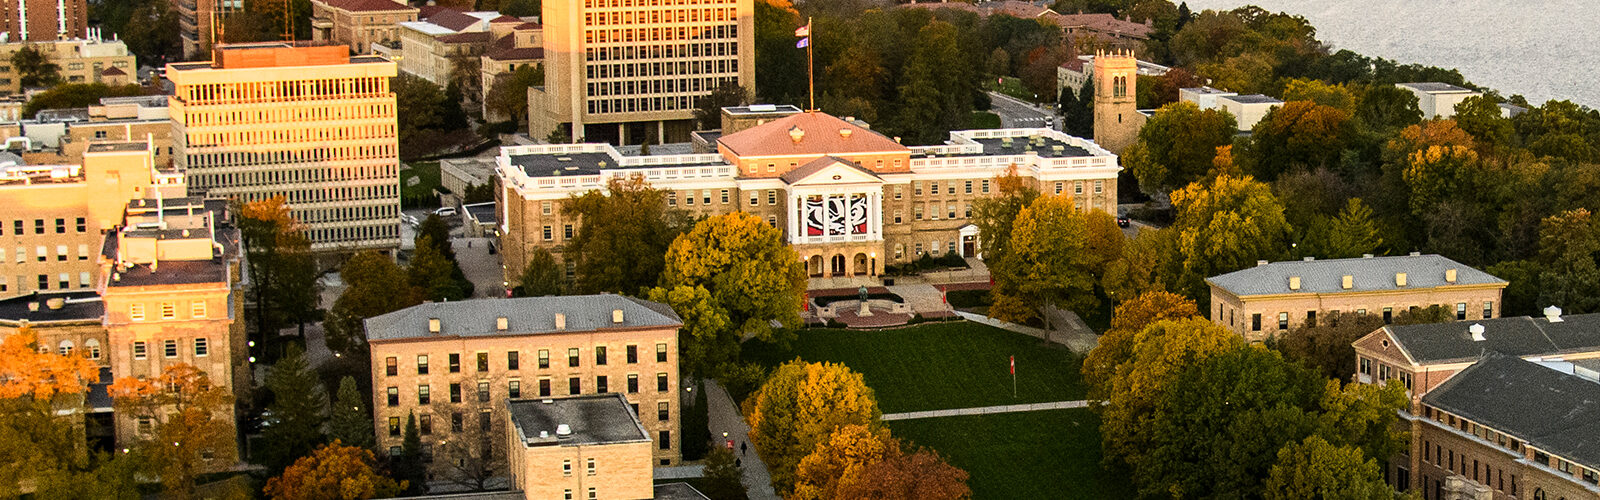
{"x": 969, "y": 246}
{"x": 837, "y": 266}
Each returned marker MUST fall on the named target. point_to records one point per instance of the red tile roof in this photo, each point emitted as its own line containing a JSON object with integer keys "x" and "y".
{"x": 368, "y": 5}
{"x": 453, "y": 20}
{"x": 505, "y": 19}
{"x": 820, "y": 137}
{"x": 113, "y": 71}
{"x": 1103, "y": 23}
{"x": 528, "y": 26}
{"x": 468, "y": 37}
{"x": 428, "y": 11}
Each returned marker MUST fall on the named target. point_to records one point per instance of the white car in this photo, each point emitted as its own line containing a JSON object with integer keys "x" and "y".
{"x": 445, "y": 212}
{"x": 409, "y": 220}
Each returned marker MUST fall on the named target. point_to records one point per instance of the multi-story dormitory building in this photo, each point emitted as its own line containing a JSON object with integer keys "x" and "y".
{"x": 850, "y": 200}
{"x": 1486, "y": 420}
{"x": 311, "y": 124}
{"x": 161, "y": 286}
{"x": 454, "y": 365}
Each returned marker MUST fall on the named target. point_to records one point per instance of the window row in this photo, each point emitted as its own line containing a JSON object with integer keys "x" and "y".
{"x": 308, "y": 133}
{"x": 513, "y": 359}
{"x": 1077, "y": 187}
{"x": 672, "y": 16}
{"x": 933, "y": 210}
{"x": 19, "y": 227}
{"x": 1460, "y": 310}
{"x": 288, "y": 114}
{"x": 543, "y": 389}
{"x": 277, "y": 91}
{"x": 610, "y": 4}
{"x": 384, "y": 170}
{"x": 41, "y": 253}
{"x": 63, "y": 282}
{"x": 168, "y": 309}
{"x": 933, "y": 186}
{"x": 169, "y": 348}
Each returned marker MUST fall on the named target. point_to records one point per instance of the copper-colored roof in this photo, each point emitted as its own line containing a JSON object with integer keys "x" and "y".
{"x": 820, "y": 136}
{"x": 368, "y": 5}
{"x": 814, "y": 166}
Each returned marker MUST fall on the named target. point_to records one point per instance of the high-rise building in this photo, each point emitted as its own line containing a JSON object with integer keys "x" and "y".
{"x": 627, "y": 71}
{"x": 311, "y": 124}
{"x": 43, "y": 20}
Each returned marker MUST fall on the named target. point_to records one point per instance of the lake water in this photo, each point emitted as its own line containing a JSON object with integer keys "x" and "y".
{"x": 1542, "y": 49}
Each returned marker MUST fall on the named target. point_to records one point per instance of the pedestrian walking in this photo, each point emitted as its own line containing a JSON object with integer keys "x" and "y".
{"x": 742, "y": 447}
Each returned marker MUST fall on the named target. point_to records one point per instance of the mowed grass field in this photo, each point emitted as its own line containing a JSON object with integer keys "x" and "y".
{"x": 936, "y": 366}
{"x": 1017, "y": 456}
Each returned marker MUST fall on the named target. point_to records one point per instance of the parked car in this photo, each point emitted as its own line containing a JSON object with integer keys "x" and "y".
{"x": 445, "y": 212}
{"x": 1122, "y": 221}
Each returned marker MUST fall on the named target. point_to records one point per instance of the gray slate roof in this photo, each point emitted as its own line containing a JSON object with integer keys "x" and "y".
{"x": 1548, "y": 409}
{"x": 1434, "y": 87}
{"x": 525, "y": 316}
{"x": 1519, "y": 336}
{"x": 593, "y": 419}
{"x": 1369, "y": 274}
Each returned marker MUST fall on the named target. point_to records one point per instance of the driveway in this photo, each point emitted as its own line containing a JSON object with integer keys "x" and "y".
{"x": 1015, "y": 113}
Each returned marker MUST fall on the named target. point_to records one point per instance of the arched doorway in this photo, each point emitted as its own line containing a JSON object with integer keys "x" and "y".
{"x": 861, "y": 266}
{"x": 837, "y": 267}
{"x": 814, "y": 266}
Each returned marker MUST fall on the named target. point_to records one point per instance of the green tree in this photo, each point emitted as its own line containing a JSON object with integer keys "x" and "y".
{"x": 299, "y": 407}
{"x": 1480, "y": 116}
{"x": 283, "y": 271}
{"x": 1315, "y": 469}
{"x": 1387, "y": 108}
{"x": 1150, "y": 262}
{"x": 1324, "y": 94}
{"x": 1298, "y": 134}
{"x": 374, "y": 285}
{"x": 1353, "y": 233}
{"x": 723, "y": 479}
{"x": 1326, "y": 346}
{"x": 1160, "y": 354}
{"x": 1116, "y": 345}
{"x": 1569, "y": 278}
{"x": 453, "y": 114}
{"x": 541, "y": 276}
{"x": 1077, "y": 110}
{"x": 34, "y": 68}
{"x": 1561, "y": 129}
{"x": 798, "y": 407}
{"x": 707, "y": 340}
{"x": 437, "y": 232}
{"x": 996, "y": 215}
{"x": 521, "y": 8}
{"x": 780, "y": 64}
{"x": 350, "y": 423}
{"x": 1177, "y": 146}
{"x": 108, "y": 476}
{"x": 750, "y": 272}
{"x": 708, "y": 109}
{"x": 409, "y": 467}
{"x": 509, "y": 93}
{"x": 76, "y": 95}
{"x": 1049, "y": 263}
{"x": 622, "y": 242}
{"x": 936, "y": 92}
{"x": 431, "y": 272}
{"x": 1226, "y": 226}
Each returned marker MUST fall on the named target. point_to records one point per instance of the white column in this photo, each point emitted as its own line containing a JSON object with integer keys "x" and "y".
{"x": 796, "y": 210}
{"x": 875, "y": 201}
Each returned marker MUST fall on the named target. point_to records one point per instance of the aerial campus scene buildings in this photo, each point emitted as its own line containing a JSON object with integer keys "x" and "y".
{"x": 708, "y": 249}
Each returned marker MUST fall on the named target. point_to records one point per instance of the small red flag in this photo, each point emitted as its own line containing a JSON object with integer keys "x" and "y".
{"x": 1013, "y": 365}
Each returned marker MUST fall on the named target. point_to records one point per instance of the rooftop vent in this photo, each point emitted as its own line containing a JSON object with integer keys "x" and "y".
{"x": 547, "y": 401}
{"x": 1399, "y": 279}
{"x": 55, "y": 303}
{"x": 1308, "y": 259}
{"x": 563, "y": 430}
{"x": 616, "y": 315}
{"x": 1348, "y": 282}
{"x": 845, "y": 133}
{"x": 433, "y": 325}
{"x": 795, "y": 134}
{"x": 561, "y": 321}
{"x": 33, "y": 306}
{"x": 1477, "y": 332}
{"x": 1553, "y": 314}
{"x": 1260, "y": 263}
{"x": 763, "y": 108}
{"x": 502, "y": 323}
{"x": 1294, "y": 282}
{"x": 1449, "y": 275}
{"x": 544, "y": 434}
{"x": 563, "y": 158}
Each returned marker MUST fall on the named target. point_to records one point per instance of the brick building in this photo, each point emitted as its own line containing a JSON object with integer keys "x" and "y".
{"x": 359, "y": 23}
{"x": 43, "y": 20}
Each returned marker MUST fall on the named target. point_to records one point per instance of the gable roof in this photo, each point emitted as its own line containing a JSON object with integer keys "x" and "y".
{"x": 821, "y": 136}
{"x": 1367, "y": 274}
{"x": 1550, "y": 410}
{"x": 1103, "y": 23}
{"x": 1434, "y": 343}
{"x": 814, "y": 166}
{"x": 524, "y": 315}
{"x": 453, "y": 20}
{"x": 368, "y": 5}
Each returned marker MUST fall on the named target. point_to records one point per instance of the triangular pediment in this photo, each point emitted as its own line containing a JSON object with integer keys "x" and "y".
{"x": 830, "y": 170}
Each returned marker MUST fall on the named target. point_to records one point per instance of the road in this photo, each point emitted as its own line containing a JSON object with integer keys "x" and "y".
{"x": 1017, "y": 114}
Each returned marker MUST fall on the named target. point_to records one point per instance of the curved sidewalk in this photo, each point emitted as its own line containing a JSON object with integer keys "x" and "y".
{"x": 725, "y": 418}
{"x": 984, "y": 410}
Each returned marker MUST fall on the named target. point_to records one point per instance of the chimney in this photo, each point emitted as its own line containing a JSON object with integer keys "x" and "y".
{"x": 1294, "y": 282}
{"x": 33, "y": 306}
{"x": 501, "y": 323}
{"x": 1477, "y": 332}
{"x": 1366, "y": 256}
{"x": 561, "y": 321}
{"x": 1416, "y": 254}
{"x": 1399, "y": 279}
{"x": 1449, "y": 275}
{"x": 433, "y": 325}
{"x": 1260, "y": 263}
{"x": 1348, "y": 282}
{"x": 844, "y": 133}
{"x": 1308, "y": 259}
{"x": 616, "y": 315}
{"x": 1553, "y": 314}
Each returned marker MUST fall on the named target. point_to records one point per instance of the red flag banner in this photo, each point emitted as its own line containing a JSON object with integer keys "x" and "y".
{"x": 1013, "y": 365}
{"x": 803, "y": 31}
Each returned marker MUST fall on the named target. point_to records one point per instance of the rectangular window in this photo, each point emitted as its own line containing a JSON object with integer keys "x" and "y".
{"x": 391, "y": 366}
{"x": 197, "y": 309}
{"x": 574, "y": 386}
{"x": 169, "y": 310}
{"x": 1461, "y": 311}
{"x": 566, "y": 471}
{"x": 1283, "y": 321}
{"x": 572, "y": 357}
{"x": 422, "y": 364}
{"x": 661, "y": 382}
{"x": 202, "y": 347}
{"x": 394, "y": 426}
{"x": 1488, "y": 310}
{"x": 633, "y": 384}
{"x": 424, "y": 396}
{"x": 1388, "y": 315}
{"x": 1255, "y": 322}
{"x": 665, "y": 440}
{"x": 425, "y": 425}
{"x": 483, "y": 391}
{"x": 967, "y": 187}
{"x": 512, "y": 363}
{"x": 457, "y": 422}
{"x": 1311, "y": 318}
{"x": 139, "y": 350}
{"x": 544, "y": 358}
{"x": 600, "y": 384}
{"x": 600, "y": 355}
{"x": 394, "y": 396}
{"x": 1366, "y": 366}
{"x": 455, "y": 393}
{"x": 483, "y": 362}
{"x": 633, "y": 354}
{"x": 455, "y": 362}
{"x": 661, "y": 353}
{"x": 169, "y": 348}
{"x": 661, "y": 411}
{"x": 83, "y": 225}
{"x": 61, "y": 226}
{"x": 515, "y": 389}
{"x": 589, "y": 465}
{"x": 549, "y": 233}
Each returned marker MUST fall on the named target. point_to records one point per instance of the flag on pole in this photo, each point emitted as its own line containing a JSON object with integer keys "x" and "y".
{"x": 1013, "y": 365}
{"x": 803, "y": 43}
{"x": 803, "y": 31}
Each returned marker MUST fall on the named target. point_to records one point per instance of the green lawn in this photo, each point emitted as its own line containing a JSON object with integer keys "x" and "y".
{"x": 985, "y": 120}
{"x": 939, "y": 365}
{"x": 427, "y": 175}
{"x": 1011, "y": 86}
{"x": 1042, "y": 454}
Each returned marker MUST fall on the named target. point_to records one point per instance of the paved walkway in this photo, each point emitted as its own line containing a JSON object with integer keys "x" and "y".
{"x": 1070, "y": 336}
{"x": 1057, "y": 405}
{"x": 725, "y": 418}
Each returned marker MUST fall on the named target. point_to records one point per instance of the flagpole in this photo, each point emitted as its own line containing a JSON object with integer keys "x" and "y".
{"x": 811, "y": 79}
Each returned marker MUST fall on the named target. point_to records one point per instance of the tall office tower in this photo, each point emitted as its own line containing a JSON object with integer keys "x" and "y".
{"x": 309, "y": 123}
{"x": 629, "y": 71}
{"x": 43, "y": 20}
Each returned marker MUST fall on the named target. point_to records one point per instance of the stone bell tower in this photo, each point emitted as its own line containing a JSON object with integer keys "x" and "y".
{"x": 1116, "y": 118}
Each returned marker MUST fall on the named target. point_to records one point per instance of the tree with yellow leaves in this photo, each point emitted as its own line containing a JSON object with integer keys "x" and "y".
{"x": 1050, "y": 262}
{"x": 1116, "y": 345}
{"x": 189, "y": 430}
{"x": 919, "y": 475}
{"x": 333, "y": 472}
{"x": 798, "y": 407}
{"x": 841, "y": 459}
{"x": 1161, "y": 351}
{"x": 1226, "y": 225}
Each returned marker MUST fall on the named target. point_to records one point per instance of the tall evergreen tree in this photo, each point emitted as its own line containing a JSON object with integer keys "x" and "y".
{"x": 298, "y": 408}
{"x": 350, "y": 423}
{"x": 408, "y": 466}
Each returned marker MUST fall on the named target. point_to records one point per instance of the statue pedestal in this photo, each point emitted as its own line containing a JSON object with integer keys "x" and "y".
{"x": 864, "y": 311}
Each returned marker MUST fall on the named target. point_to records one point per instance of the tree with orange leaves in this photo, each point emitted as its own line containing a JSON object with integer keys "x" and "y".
{"x": 912, "y": 476}
{"x": 283, "y": 273}
{"x": 34, "y": 441}
{"x": 27, "y": 372}
{"x": 188, "y": 430}
{"x": 840, "y": 458}
{"x": 333, "y": 472}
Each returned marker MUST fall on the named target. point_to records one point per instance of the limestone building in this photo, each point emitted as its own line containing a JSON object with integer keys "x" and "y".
{"x": 848, "y": 199}
{"x": 311, "y": 124}
{"x": 1272, "y": 298}
{"x": 60, "y": 137}
{"x": 359, "y": 24}
{"x": 200, "y": 23}
{"x": 82, "y": 60}
{"x": 590, "y": 446}
{"x": 456, "y": 364}
{"x": 1073, "y": 74}
{"x": 441, "y": 39}
{"x": 1438, "y": 100}
{"x": 1117, "y": 119}
{"x": 626, "y": 72}
{"x": 43, "y": 20}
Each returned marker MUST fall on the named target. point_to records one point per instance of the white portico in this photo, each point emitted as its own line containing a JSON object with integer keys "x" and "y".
{"x": 835, "y": 217}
